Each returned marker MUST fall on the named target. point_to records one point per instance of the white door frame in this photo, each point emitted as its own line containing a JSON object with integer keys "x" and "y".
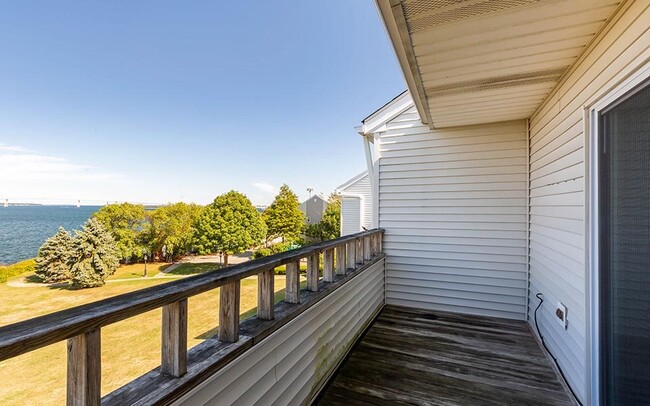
{"x": 622, "y": 91}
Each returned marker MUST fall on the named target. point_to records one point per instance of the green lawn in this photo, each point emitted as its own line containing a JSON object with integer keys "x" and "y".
{"x": 129, "y": 348}
{"x": 137, "y": 270}
{"x": 192, "y": 269}
{"x": 7, "y": 272}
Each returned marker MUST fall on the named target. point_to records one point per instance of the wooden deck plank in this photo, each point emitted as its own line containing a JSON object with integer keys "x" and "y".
{"x": 412, "y": 356}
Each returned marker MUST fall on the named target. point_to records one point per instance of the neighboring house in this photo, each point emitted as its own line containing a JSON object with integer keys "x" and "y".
{"x": 356, "y": 204}
{"x": 516, "y": 165}
{"x": 313, "y": 208}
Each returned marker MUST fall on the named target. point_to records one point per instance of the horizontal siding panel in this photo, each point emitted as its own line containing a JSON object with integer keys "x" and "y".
{"x": 478, "y": 210}
{"x": 486, "y": 291}
{"x": 466, "y": 156}
{"x": 501, "y": 258}
{"x": 406, "y": 266}
{"x": 453, "y": 203}
{"x": 496, "y": 234}
{"x": 462, "y": 293}
{"x": 453, "y": 304}
{"x": 480, "y": 163}
{"x": 455, "y": 277}
{"x": 469, "y": 247}
{"x": 414, "y": 175}
{"x": 427, "y": 240}
{"x": 487, "y": 266}
{"x": 445, "y": 179}
{"x": 448, "y": 217}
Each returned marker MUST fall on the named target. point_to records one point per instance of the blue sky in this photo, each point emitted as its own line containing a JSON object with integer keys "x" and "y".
{"x": 155, "y": 101}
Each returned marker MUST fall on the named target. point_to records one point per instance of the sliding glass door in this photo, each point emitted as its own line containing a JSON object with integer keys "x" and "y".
{"x": 624, "y": 251}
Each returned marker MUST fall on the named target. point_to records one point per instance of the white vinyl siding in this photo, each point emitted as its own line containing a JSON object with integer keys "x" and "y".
{"x": 289, "y": 366}
{"x": 356, "y": 196}
{"x": 557, "y": 185}
{"x": 453, "y": 203}
{"x": 350, "y": 215}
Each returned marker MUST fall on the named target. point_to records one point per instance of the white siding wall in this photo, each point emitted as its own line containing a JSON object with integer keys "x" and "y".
{"x": 362, "y": 189}
{"x": 557, "y": 181}
{"x": 288, "y": 367}
{"x": 453, "y": 203}
{"x": 350, "y": 215}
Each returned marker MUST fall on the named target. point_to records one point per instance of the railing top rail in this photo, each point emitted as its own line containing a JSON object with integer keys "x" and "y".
{"x": 28, "y": 335}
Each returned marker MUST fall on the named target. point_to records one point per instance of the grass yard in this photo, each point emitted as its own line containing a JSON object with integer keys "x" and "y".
{"x": 131, "y": 271}
{"x": 9, "y": 271}
{"x": 193, "y": 269}
{"x": 129, "y": 348}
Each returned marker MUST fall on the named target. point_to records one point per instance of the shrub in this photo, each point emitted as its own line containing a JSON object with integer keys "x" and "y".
{"x": 273, "y": 249}
{"x": 9, "y": 271}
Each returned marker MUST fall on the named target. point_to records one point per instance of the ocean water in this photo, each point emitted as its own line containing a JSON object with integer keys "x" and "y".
{"x": 23, "y": 229}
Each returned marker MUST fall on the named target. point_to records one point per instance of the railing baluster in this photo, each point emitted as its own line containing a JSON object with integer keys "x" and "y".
{"x": 367, "y": 251}
{"x": 229, "y": 312}
{"x": 340, "y": 259}
{"x": 84, "y": 369}
{"x": 375, "y": 244}
{"x": 359, "y": 250}
{"x": 174, "y": 339}
{"x": 292, "y": 291}
{"x": 312, "y": 272}
{"x": 328, "y": 265}
{"x": 265, "y": 295}
{"x": 351, "y": 254}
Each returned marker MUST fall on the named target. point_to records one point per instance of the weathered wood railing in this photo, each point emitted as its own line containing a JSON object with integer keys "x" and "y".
{"x": 81, "y": 325}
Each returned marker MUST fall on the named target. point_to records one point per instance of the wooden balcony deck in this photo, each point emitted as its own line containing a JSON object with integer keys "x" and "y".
{"x": 411, "y": 356}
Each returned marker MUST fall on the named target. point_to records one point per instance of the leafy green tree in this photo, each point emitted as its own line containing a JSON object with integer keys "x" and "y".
{"x": 229, "y": 225}
{"x": 94, "y": 255}
{"x": 329, "y": 227}
{"x": 283, "y": 217}
{"x": 172, "y": 229}
{"x": 128, "y": 224}
{"x": 53, "y": 260}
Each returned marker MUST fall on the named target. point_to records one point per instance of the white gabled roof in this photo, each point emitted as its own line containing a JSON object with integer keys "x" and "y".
{"x": 352, "y": 181}
{"x": 377, "y": 121}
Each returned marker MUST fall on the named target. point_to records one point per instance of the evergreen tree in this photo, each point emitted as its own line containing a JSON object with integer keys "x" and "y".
{"x": 94, "y": 255}
{"x": 283, "y": 217}
{"x": 229, "y": 225}
{"x": 52, "y": 262}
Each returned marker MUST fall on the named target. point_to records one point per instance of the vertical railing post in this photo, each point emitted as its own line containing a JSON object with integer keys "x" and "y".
{"x": 174, "y": 339}
{"x": 312, "y": 272}
{"x": 229, "y": 312}
{"x": 367, "y": 251}
{"x": 84, "y": 369}
{"x": 351, "y": 247}
{"x": 340, "y": 259}
{"x": 380, "y": 243}
{"x": 292, "y": 290}
{"x": 328, "y": 265}
{"x": 265, "y": 295}
{"x": 359, "y": 250}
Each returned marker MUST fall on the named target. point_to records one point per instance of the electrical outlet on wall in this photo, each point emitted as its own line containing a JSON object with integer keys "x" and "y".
{"x": 560, "y": 313}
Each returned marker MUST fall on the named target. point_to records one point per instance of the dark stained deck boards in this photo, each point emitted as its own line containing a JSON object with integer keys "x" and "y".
{"x": 411, "y": 356}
